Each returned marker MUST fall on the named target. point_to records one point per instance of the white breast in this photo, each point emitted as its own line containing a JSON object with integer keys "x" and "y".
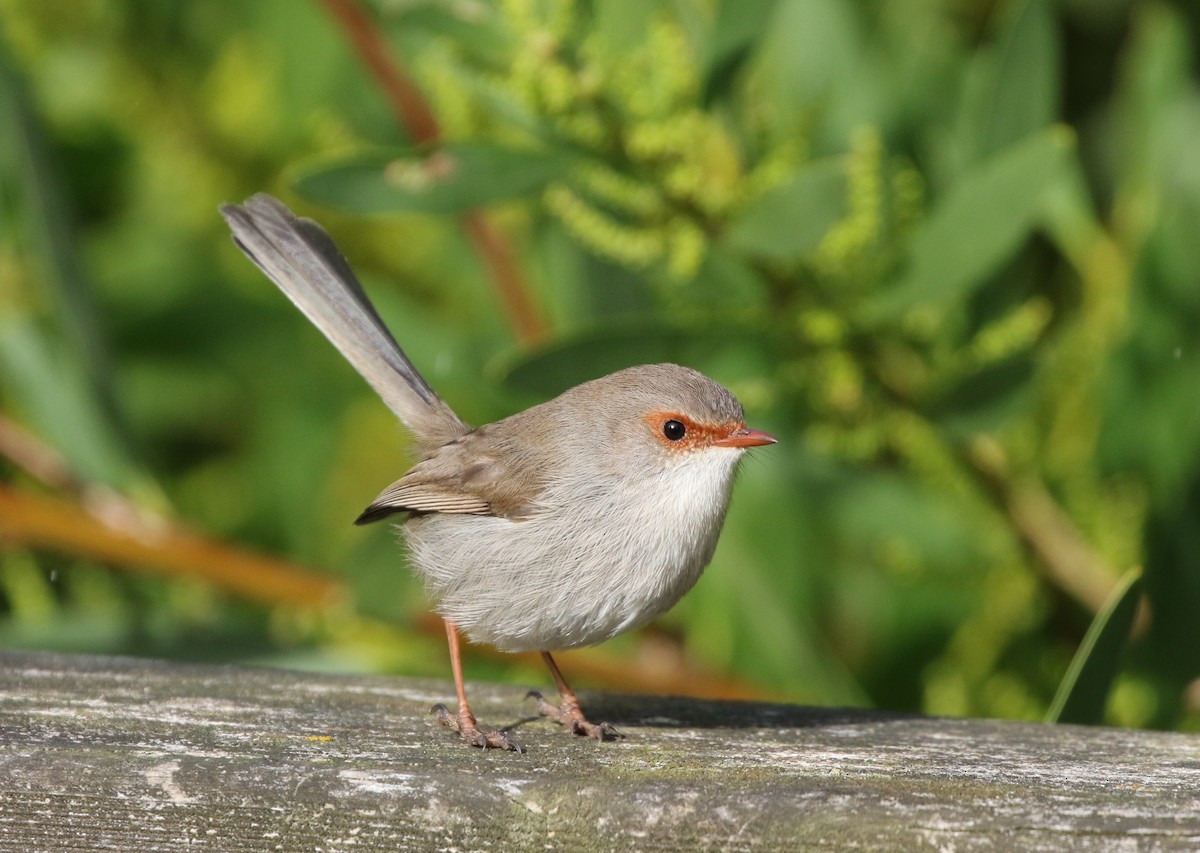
{"x": 600, "y": 560}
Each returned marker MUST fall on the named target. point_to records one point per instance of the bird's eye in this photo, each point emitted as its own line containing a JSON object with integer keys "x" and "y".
{"x": 674, "y": 430}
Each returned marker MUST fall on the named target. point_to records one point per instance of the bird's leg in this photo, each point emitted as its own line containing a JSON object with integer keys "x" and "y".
{"x": 568, "y": 712}
{"x": 464, "y": 721}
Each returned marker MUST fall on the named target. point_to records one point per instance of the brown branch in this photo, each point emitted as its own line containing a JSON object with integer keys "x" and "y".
{"x": 166, "y": 550}
{"x": 1071, "y": 560}
{"x": 497, "y": 255}
{"x": 45, "y": 464}
{"x": 413, "y": 112}
{"x": 406, "y": 100}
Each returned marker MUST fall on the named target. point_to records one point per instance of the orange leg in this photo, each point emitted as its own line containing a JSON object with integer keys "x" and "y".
{"x": 567, "y": 712}
{"x": 464, "y": 721}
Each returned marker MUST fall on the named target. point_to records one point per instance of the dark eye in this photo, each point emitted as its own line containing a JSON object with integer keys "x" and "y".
{"x": 674, "y": 430}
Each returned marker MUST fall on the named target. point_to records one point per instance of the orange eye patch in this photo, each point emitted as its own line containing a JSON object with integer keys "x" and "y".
{"x": 678, "y": 432}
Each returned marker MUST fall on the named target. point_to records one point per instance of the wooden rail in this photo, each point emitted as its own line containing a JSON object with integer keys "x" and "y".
{"x": 132, "y": 755}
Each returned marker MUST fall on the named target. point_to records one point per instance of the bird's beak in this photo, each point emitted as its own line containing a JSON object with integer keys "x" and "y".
{"x": 745, "y": 437}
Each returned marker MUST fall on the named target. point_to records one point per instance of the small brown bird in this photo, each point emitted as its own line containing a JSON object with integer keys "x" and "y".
{"x": 560, "y": 526}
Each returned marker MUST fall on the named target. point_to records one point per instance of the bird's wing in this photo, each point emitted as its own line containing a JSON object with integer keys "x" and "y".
{"x": 407, "y": 495}
{"x": 478, "y": 474}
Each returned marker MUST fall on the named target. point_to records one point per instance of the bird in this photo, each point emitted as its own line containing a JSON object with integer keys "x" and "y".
{"x": 557, "y": 527}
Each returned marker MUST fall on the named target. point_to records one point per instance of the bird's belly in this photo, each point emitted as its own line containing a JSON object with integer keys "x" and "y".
{"x": 556, "y": 583}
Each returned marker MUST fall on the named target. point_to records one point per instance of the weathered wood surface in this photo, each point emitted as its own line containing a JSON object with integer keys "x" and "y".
{"x": 118, "y": 754}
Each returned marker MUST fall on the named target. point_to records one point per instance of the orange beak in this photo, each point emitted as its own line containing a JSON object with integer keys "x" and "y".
{"x": 745, "y": 437}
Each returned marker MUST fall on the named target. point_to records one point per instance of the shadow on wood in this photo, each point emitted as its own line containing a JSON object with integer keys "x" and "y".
{"x": 103, "y": 753}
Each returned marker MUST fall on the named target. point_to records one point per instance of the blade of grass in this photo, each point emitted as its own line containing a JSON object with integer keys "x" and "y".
{"x": 1083, "y": 693}
{"x": 36, "y": 212}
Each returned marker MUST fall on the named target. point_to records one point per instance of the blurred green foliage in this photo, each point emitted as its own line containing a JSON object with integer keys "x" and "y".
{"x": 946, "y": 251}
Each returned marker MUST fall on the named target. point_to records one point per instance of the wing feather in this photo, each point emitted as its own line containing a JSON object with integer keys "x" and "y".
{"x": 474, "y": 475}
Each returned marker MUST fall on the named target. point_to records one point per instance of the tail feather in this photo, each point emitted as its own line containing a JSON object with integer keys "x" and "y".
{"x": 304, "y": 262}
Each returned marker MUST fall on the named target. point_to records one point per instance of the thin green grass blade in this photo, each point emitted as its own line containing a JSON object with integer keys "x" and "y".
{"x": 1083, "y": 693}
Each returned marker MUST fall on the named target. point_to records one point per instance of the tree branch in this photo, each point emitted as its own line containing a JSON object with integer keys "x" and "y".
{"x": 164, "y": 549}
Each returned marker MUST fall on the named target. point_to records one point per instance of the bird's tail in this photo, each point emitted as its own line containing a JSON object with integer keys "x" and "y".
{"x": 304, "y": 262}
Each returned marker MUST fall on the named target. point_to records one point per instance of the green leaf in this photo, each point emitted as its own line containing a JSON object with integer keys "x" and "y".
{"x": 474, "y": 29}
{"x": 813, "y": 57}
{"x": 980, "y": 223}
{"x": 26, "y": 164}
{"x": 452, "y": 178}
{"x": 737, "y": 27}
{"x": 61, "y": 408}
{"x": 1155, "y": 91}
{"x": 58, "y": 373}
{"x": 1013, "y": 87}
{"x": 790, "y": 220}
{"x": 1083, "y": 694}
{"x": 729, "y": 286}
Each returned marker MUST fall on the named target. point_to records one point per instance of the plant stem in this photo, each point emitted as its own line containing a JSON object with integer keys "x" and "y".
{"x": 412, "y": 111}
{"x": 164, "y": 549}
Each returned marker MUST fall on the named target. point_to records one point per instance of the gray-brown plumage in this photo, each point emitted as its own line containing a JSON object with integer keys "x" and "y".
{"x": 560, "y": 526}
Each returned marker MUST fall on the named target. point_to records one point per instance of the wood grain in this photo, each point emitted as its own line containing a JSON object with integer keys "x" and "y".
{"x": 119, "y": 754}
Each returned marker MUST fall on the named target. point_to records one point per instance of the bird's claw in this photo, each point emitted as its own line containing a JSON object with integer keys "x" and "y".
{"x": 599, "y": 731}
{"x": 570, "y": 716}
{"x": 543, "y": 707}
{"x": 469, "y": 731}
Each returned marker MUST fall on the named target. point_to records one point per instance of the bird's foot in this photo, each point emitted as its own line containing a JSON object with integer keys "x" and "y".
{"x": 570, "y": 716}
{"x": 464, "y": 723}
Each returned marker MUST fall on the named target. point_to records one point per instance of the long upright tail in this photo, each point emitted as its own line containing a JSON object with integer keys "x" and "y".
{"x": 302, "y": 259}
